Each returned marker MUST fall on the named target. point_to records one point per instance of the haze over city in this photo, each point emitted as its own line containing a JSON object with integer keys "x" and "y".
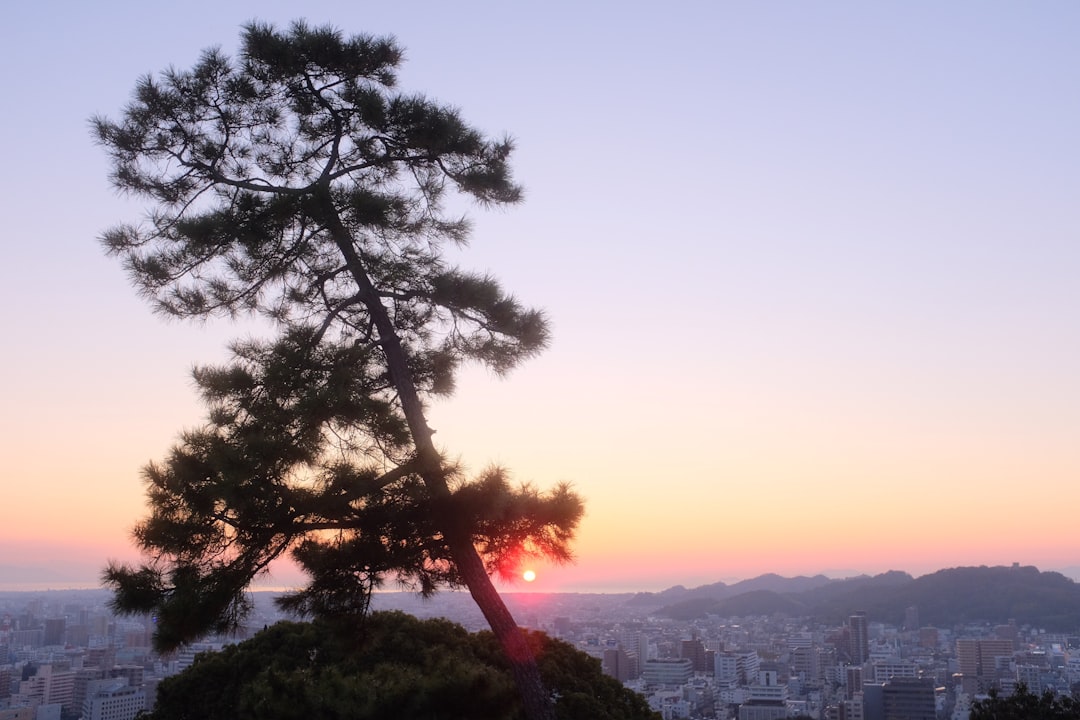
{"x": 811, "y": 271}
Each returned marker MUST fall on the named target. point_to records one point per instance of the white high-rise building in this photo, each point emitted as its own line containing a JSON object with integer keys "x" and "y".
{"x": 116, "y": 701}
{"x": 767, "y": 688}
{"x": 887, "y": 670}
{"x": 737, "y": 668}
{"x": 766, "y": 699}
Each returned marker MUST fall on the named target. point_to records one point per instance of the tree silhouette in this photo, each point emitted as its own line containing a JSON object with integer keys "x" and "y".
{"x": 296, "y": 183}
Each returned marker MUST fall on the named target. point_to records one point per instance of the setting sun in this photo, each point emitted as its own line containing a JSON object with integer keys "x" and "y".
{"x": 528, "y": 575}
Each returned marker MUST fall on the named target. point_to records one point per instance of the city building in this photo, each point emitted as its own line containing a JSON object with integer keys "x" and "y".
{"x": 887, "y": 670}
{"x": 982, "y": 662}
{"x": 911, "y": 618}
{"x": 617, "y": 664}
{"x": 909, "y": 699}
{"x": 48, "y": 686}
{"x": 853, "y": 680}
{"x": 694, "y": 651}
{"x": 54, "y": 631}
{"x": 858, "y": 638}
{"x": 928, "y": 637}
{"x": 766, "y": 699}
{"x": 667, "y": 671}
{"x": 737, "y": 668}
{"x": 806, "y": 663}
{"x": 115, "y": 701}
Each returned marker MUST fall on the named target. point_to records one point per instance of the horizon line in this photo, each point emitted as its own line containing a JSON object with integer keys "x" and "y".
{"x": 1070, "y": 572}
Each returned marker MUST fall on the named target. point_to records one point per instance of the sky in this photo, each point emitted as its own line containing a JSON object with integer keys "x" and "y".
{"x": 812, "y": 272}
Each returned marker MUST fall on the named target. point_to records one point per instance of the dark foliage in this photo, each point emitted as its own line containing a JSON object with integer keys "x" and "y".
{"x": 1025, "y": 705}
{"x": 392, "y": 666}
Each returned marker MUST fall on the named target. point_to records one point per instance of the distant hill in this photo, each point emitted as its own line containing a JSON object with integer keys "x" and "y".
{"x": 948, "y": 597}
{"x": 1048, "y": 600}
{"x": 770, "y": 581}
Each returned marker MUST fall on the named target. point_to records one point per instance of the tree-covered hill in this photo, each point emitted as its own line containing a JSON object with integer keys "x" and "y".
{"x": 769, "y": 581}
{"x": 947, "y": 597}
{"x": 392, "y": 665}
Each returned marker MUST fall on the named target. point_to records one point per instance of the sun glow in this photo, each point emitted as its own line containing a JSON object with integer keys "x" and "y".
{"x": 528, "y": 576}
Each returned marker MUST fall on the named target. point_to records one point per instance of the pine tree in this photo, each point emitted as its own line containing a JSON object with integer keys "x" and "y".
{"x": 295, "y": 182}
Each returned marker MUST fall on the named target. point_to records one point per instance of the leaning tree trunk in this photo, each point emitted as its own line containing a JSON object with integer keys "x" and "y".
{"x": 536, "y": 701}
{"x": 534, "y": 697}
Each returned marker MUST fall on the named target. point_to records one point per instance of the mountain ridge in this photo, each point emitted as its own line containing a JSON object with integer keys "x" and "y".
{"x": 990, "y": 594}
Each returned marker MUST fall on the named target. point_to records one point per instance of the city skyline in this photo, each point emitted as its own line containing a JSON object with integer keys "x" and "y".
{"x": 810, "y": 270}
{"x": 715, "y": 661}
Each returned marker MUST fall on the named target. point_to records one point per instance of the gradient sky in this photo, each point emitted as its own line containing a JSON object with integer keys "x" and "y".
{"x": 813, "y": 272}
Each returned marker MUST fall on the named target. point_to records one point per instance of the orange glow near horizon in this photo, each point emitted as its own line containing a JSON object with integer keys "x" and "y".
{"x": 625, "y": 544}
{"x": 692, "y": 559}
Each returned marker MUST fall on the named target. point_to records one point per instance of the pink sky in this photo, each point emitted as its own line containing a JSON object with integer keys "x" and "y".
{"x": 811, "y": 271}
